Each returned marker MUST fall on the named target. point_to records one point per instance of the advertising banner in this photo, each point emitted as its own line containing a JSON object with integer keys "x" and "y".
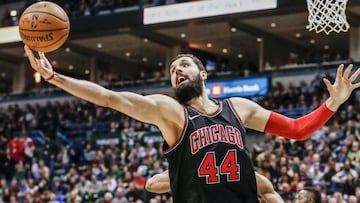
{"x": 246, "y": 87}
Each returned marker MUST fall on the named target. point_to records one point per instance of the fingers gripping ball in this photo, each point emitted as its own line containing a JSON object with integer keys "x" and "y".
{"x": 44, "y": 26}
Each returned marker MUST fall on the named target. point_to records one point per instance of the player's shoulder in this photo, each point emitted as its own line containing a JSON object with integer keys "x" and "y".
{"x": 165, "y": 100}
{"x": 240, "y": 100}
{"x": 244, "y": 105}
{"x": 162, "y": 97}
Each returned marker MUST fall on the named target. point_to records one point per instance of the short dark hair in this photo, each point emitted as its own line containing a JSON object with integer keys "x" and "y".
{"x": 196, "y": 60}
{"x": 315, "y": 194}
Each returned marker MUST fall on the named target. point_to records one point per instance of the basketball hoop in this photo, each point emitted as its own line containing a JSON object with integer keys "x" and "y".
{"x": 327, "y": 16}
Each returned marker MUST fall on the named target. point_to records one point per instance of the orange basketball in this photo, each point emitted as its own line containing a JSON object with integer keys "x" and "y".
{"x": 44, "y": 26}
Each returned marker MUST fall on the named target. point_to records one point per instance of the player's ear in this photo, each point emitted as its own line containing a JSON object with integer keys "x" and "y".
{"x": 203, "y": 75}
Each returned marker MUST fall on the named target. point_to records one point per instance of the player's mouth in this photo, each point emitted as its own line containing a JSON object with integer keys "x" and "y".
{"x": 180, "y": 80}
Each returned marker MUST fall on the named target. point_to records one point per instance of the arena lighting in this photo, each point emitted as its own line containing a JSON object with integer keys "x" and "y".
{"x": 9, "y": 34}
{"x": 200, "y": 9}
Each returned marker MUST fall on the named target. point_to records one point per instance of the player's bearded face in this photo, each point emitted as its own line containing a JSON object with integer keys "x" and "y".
{"x": 188, "y": 90}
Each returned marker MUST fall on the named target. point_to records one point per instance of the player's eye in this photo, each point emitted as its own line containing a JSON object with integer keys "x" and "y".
{"x": 185, "y": 65}
{"x": 172, "y": 70}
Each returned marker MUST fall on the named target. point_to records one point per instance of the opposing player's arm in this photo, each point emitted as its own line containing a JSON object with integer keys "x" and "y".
{"x": 159, "y": 183}
{"x": 266, "y": 190}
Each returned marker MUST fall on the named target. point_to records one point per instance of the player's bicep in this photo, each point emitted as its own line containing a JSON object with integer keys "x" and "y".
{"x": 258, "y": 119}
{"x": 149, "y": 109}
{"x": 252, "y": 115}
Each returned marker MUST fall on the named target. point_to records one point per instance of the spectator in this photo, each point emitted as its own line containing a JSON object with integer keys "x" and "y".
{"x": 96, "y": 184}
{"x": 315, "y": 174}
{"x": 344, "y": 178}
{"x": 116, "y": 172}
{"x": 139, "y": 181}
{"x": 110, "y": 182}
{"x": 15, "y": 150}
{"x": 90, "y": 195}
{"x": 28, "y": 148}
{"x": 133, "y": 193}
{"x": 84, "y": 185}
{"x": 108, "y": 197}
{"x": 354, "y": 153}
{"x": 119, "y": 196}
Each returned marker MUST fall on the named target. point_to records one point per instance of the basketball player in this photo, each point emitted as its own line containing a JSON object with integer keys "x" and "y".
{"x": 160, "y": 183}
{"x": 205, "y": 139}
{"x": 308, "y": 195}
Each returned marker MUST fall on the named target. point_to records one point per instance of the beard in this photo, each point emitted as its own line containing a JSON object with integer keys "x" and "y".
{"x": 189, "y": 90}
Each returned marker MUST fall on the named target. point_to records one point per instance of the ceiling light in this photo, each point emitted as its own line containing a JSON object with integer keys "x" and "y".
{"x": 128, "y": 54}
{"x": 3, "y": 75}
{"x": 297, "y": 35}
{"x": 273, "y": 25}
{"x": 182, "y": 35}
{"x": 67, "y": 49}
{"x": 240, "y": 56}
{"x": 13, "y": 13}
{"x": 209, "y": 45}
{"x": 224, "y": 51}
{"x": 160, "y": 63}
{"x": 259, "y": 39}
{"x": 87, "y": 72}
{"x": 99, "y": 45}
{"x": 146, "y": 40}
{"x": 71, "y": 67}
{"x": 326, "y": 47}
{"x": 144, "y": 59}
{"x": 312, "y": 41}
{"x": 233, "y": 29}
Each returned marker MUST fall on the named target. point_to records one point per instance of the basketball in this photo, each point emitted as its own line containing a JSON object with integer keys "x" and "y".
{"x": 44, "y": 26}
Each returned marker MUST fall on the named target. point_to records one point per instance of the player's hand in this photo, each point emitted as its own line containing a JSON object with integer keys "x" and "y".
{"x": 41, "y": 64}
{"x": 343, "y": 85}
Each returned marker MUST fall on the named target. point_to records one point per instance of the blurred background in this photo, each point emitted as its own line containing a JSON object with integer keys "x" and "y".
{"x": 59, "y": 148}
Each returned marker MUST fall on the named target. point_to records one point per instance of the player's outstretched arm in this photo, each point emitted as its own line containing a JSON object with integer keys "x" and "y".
{"x": 266, "y": 190}
{"x": 151, "y": 109}
{"x": 260, "y": 119}
{"x": 159, "y": 183}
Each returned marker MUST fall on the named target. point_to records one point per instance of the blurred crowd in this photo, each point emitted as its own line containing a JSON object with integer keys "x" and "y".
{"x": 66, "y": 167}
{"x": 72, "y": 169}
{"x": 86, "y": 7}
{"x": 329, "y": 160}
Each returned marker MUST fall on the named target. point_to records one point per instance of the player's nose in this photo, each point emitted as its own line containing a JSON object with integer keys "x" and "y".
{"x": 178, "y": 70}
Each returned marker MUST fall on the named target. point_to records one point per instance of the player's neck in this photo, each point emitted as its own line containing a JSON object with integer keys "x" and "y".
{"x": 204, "y": 104}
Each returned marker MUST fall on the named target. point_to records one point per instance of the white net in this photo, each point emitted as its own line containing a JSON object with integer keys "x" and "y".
{"x": 327, "y": 16}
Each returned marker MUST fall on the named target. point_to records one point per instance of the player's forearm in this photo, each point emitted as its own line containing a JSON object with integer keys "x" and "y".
{"x": 81, "y": 88}
{"x": 300, "y": 128}
{"x": 272, "y": 197}
{"x": 157, "y": 187}
{"x": 159, "y": 183}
